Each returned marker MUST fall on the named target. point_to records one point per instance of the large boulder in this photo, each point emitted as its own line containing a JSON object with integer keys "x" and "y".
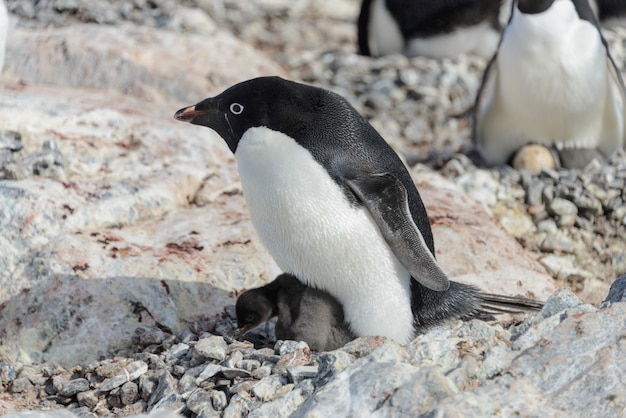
{"x": 152, "y": 64}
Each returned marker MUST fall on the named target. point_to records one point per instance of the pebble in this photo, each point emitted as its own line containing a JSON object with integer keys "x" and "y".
{"x": 72, "y": 387}
{"x": 21, "y": 385}
{"x": 7, "y": 372}
{"x": 297, "y": 374}
{"x": 129, "y": 393}
{"x": 130, "y": 372}
{"x": 198, "y": 401}
{"x": 213, "y": 347}
{"x": 268, "y": 387}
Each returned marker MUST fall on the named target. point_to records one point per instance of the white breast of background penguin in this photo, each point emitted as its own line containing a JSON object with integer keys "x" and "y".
{"x": 552, "y": 86}
{"x": 312, "y": 231}
{"x": 384, "y": 35}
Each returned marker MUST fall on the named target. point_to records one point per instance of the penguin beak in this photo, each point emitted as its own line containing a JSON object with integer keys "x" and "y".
{"x": 245, "y": 329}
{"x": 187, "y": 114}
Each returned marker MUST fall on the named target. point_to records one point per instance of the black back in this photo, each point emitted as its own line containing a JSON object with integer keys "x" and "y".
{"x": 611, "y": 8}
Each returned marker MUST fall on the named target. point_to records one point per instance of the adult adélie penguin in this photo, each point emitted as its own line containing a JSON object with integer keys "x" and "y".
{"x": 330, "y": 199}
{"x": 552, "y": 82}
{"x": 334, "y": 205}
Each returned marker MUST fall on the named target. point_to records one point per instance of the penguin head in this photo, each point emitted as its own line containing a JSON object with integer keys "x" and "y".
{"x": 534, "y": 6}
{"x": 271, "y": 102}
{"x": 253, "y": 308}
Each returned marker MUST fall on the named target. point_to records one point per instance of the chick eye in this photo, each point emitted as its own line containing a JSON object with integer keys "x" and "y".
{"x": 236, "y": 108}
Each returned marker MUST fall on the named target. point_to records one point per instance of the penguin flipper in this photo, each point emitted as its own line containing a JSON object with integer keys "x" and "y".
{"x": 616, "y": 87}
{"x": 386, "y": 198}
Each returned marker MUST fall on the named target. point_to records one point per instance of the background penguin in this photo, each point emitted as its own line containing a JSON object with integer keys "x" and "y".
{"x": 610, "y": 12}
{"x": 4, "y": 31}
{"x": 314, "y": 316}
{"x": 551, "y": 82}
{"x": 331, "y": 201}
{"x": 304, "y": 313}
{"x": 432, "y": 28}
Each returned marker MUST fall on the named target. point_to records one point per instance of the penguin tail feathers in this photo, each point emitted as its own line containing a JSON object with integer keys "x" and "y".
{"x": 492, "y": 304}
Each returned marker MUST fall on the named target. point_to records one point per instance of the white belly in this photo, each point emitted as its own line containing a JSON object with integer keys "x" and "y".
{"x": 311, "y": 230}
{"x": 552, "y": 86}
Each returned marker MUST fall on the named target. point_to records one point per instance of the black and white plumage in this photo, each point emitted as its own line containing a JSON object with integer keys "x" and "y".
{"x": 311, "y": 315}
{"x": 552, "y": 82}
{"x": 332, "y": 202}
{"x": 433, "y": 28}
{"x": 329, "y": 198}
{"x": 304, "y": 313}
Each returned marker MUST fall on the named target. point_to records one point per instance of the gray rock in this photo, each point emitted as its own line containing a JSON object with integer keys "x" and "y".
{"x": 7, "y": 372}
{"x": 425, "y": 389}
{"x": 557, "y": 243}
{"x": 565, "y": 368}
{"x": 149, "y": 335}
{"x": 250, "y": 365}
{"x": 330, "y": 364}
{"x": 212, "y": 348}
{"x": 240, "y": 405}
{"x": 359, "y": 390}
{"x": 148, "y": 384}
{"x": 617, "y": 292}
{"x": 74, "y": 386}
{"x": 88, "y": 398}
{"x": 129, "y": 373}
{"x": 233, "y": 360}
{"x": 287, "y": 404}
{"x": 21, "y": 385}
{"x": 269, "y": 388}
{"x": 298, "y": 354}
{"x": 297, "y": 374}
{"x": 554, "y": 311}
{"x": 218, "y": 400}
{"x": 209, "y": 371}
{"x": 129, "y": 393}
{"x": 165, "y": 395}
{"x": 198, "y": 401}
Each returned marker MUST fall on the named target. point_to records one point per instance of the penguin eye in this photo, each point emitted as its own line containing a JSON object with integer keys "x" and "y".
{"x": 236, "y": 108}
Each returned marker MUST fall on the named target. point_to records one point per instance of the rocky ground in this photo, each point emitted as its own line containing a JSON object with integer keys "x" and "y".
{"x": 572, "y": 222}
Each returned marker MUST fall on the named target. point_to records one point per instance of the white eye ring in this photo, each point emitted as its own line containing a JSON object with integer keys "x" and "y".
{"x": 236, "y": 108}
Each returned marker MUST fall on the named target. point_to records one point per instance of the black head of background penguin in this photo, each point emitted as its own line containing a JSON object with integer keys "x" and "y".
{"x": 534, "y": 6}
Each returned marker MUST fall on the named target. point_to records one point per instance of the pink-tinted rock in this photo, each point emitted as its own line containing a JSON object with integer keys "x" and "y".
{"x": 114, "y": 241}
{"x": 152, "y": 64}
